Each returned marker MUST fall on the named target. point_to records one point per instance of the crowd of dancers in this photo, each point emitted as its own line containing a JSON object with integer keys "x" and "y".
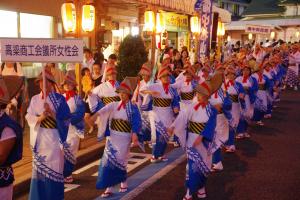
{"x": 202, "y": 107}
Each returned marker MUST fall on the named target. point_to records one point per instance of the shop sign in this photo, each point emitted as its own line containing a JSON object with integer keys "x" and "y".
{"x": 204, "y": 38}
{"x": 41, "y": 50}
{"x": 175, "y": 22}
{"x": 258, "y": 29}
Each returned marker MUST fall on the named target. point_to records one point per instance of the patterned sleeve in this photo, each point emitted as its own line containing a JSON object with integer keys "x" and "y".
{"x": 209, "y": 129}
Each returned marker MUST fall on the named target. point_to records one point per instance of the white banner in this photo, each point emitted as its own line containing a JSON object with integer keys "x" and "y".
{"x": 41, "y": 50}
{"x": 258, "y": 29}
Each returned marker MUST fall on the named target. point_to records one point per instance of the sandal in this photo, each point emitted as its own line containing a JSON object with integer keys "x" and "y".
{"x": 69, "y": 179}
{"x": 106, "y": 194}
{"x": 201, "y": 195}
{"x": 163, "y": 159}
{"x": 154, "y": 160}
{"x": 188, "y": 198}
{"x": 123, "y": 189}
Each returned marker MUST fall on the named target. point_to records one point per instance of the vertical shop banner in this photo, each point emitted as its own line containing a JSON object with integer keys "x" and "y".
{"x": 41, "y": 50}
{"x": 206, "y": 23}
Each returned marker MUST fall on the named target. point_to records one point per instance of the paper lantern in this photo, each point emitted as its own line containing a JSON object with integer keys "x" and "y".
{"x": 250, "y": 36}
{"x": 68, "y": 14}
{"x": 149, "y": 21}
{"x": 195, "y": 24}
{"x": 88, "y": 18}
{"x": 160, "y": 25}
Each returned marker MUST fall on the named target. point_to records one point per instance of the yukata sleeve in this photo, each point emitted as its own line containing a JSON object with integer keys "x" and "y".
{"x": 227, "y": 106}
{"x": 31, "y": 116}
{"x": 180, "y": 126}
{"x": 147, "y": 103}
{"x": 175, "y": 100}
{"x": 252, "y": 90}
{"x": 136, "y": 120}
{"x": 209, "y": 129}
{"x": 78, "y": 115}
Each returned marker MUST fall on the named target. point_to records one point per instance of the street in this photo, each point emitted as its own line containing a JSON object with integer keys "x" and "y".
{"x": 264, "y": 167}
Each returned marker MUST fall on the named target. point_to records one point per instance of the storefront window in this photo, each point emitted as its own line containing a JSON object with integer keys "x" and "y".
{"x": 41, "y": 28}
{"x": 9, "y": 24}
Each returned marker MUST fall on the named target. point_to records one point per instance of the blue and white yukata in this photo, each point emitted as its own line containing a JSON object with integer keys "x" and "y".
{"x": 9, "y": 129}
{"x": 222, "y": 126}
{"x": 76, "y": 131}
{"x": 264, "y": 85}
{"x": 250, "y": 87}
{"x": 140, "y": 100}
{"x": 47, "y": 140}
{"x": 185, "y": 90}
{"x": 270, "y": 90}
{"x": 122, "y": 123}
{"x": 234, "y": 89}
{"x": 161, "y": 116}
{"x": 189, "y": 124}
{"x": 102, "y": 95}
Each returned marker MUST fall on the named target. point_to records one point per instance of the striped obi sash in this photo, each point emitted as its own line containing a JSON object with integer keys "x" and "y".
{"x": 234, "y": 98}
{"x": 196, "y": 127}
{"x": 120, "y": 125}
{"x": 187, "y": 95}
{"x": 261, "y": 87}
{"x": 246, "y": 90}
{"x": 49, "y": 123}
{"x": 161, "y": 102}
{"x": 107, "y": 100}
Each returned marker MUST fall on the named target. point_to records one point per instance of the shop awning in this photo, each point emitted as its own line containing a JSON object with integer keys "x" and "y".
{"x": 183, "y": 6}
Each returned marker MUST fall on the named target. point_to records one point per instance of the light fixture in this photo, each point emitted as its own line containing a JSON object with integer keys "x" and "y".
{"x": 272, "y": 35}
{"x": 228, "y": 38}
{"x": 297, "y": 34}
{"x": 250, "y": 36}
{"x": 149, "y": 21}
{"x": 68, "y": 14}
{"x": 159, "y": 23}
{"x": 221, "y": 29}
{"x": 88, "y": 18}
{"x": 195, "y": 24}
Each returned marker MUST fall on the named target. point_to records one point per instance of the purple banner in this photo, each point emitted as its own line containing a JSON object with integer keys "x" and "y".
{"x": 206, "y": 23}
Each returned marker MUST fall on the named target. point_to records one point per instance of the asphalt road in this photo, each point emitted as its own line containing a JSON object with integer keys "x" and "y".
{"x": 265, "y": 167}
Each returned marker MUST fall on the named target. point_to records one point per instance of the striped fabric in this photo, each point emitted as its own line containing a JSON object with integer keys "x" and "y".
{"x": 261, "y": 87}
{"x": 49, "y": 123}
{"x": 187, "y": 95}
{"x": 107, "y": 100}
{"x": 160, "y": 102}
{"x": 195, "y": 127}
{"x": 234, "y": 98}
{"x": 120, "y": 125}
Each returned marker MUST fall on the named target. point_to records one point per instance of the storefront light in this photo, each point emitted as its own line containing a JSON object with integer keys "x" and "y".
{"x": 159, "y": 23}
{"x": 195, "y": 24}
{"x": 68, "y": 14}
{"x": 272, "y": 35}
{"x": 297, "y": 34}
{"x": 250, "y": 36}
{"x": 88, "y": 18}
{"x": 228, "y": 38}
{"x": 134, "y": 30}
{"x": 221, "y": 29}
{"x": 149, "y": 21}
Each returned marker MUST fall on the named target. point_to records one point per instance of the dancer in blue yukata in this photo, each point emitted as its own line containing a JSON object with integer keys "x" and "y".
{"x": 195, "y": 127}
{"x": 11, "y": 137}
{"x": 164, "y": 108}
{"x": 48, "y": 119}
{"x": 124, "y": 127}
{"x": 76, "y": 128}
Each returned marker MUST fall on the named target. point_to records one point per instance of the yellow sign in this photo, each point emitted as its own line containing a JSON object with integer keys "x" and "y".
{"x": 175, "y": 22}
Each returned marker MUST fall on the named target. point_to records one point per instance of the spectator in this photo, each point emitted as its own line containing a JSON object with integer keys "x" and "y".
{"x": 185, "y": 56}
{"x": 88, "y": 60}
{"x": 112, "y": 61}
{"x": 96, "y": 75}
{"x": 178, "y": 64}
{"x": 9, "y": 68}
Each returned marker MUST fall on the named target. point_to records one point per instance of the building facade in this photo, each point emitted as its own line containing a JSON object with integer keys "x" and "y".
{"x": 235, "y": 7}
{"x": 281, "y": 17}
